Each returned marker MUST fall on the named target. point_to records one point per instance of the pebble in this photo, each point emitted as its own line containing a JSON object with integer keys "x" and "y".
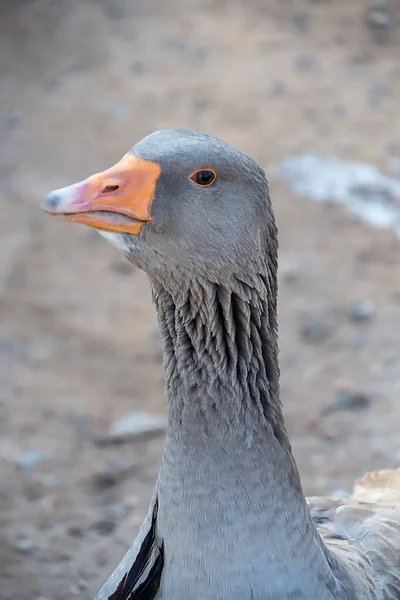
{"x": 134, "y": 425}
{"x": 188, "y": 49}
{"x": 108, "y": 477}
{"x": 362, "y": 310}
{"x": 305, "y": 62}
{"x": 314, "y": 331}
{"x": 26, "y": 546}
{"x": 74, "y": 590}
{"x": 104, "y": 526}
{"x": 289, "y": 271}
{"x": 201, "y": 105}
{"x": 347, "y": 400}
{"x": 378, "y": 92}
{"x": 273, "y": 89}
{"x": 28, "y": 461}
{"x": 123, "y": 268}
{"x": 117, "y": 510}
{"x": 33, "y": 491}
{"x": 301, "y": 23}
{"x": 76, "y": 531}
{"x": 380, "y": 21}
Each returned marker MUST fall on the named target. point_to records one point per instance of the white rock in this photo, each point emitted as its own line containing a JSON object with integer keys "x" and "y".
{"x": 367, "y": 193}
{"x": 135, "y": 424}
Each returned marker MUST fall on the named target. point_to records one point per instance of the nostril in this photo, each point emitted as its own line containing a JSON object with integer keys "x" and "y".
{"x": 109, "y": 188}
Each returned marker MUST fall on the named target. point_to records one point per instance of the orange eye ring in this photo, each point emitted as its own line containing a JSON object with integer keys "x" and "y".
{"x": 203, "y": 177}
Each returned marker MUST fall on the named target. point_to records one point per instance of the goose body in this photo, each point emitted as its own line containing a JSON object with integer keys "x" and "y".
{"x": 228, "y": 519}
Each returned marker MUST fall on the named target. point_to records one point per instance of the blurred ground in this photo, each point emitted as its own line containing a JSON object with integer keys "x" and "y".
{"x": 80, "y": 83}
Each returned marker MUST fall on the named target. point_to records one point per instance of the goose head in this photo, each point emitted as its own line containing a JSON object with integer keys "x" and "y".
{"x": 179, "y": 201}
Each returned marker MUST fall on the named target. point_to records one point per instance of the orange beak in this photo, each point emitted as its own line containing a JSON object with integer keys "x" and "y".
{"x": 117, "y": 199}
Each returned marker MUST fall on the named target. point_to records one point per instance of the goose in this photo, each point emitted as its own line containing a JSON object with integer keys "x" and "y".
{"x": 228, "y": 519}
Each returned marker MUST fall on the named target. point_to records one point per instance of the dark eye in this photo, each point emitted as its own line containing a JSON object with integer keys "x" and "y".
{"x": 203, "y": 177}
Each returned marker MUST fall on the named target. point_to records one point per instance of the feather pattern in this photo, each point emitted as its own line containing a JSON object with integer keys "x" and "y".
{"x": 364, "y": 532}
{"x": 146, "y": 590}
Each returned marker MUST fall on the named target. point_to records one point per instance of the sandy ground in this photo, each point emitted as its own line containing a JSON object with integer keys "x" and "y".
{"x": 80, "y": 83}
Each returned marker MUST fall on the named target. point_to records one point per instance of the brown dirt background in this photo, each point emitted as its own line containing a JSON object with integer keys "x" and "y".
{"x": 80, "y": 83}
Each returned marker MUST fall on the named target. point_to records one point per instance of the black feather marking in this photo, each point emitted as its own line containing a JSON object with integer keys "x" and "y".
{"x": 117, "y": 594}
{"x": 147, "y": 589}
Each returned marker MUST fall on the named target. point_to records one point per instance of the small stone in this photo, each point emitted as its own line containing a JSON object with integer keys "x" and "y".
{"x": 380, "y": 21}
{"x": 273, "y": 89}
{"x": 347, "y": 400}
{"x": 326, "y": 434}
{"x": 26, "y": 546}
{"x": 305, "y": 62}
{"x": 289, "y": 271}
{"x": 301, "y": 22}
{"x": 314, "y": 331}
{"x": 82, "y": 584}
{"x": 107, "y": 478}
{"x": 33, "y": 491}
{"x": 101, "y": 559}
{"x": 28, "y": 461}
{"x": 201, "y": 105}
{"x": 362, "y": 311}
{"x": 74, "y": 590}
{"x": 117, "y": 510}
{"x": 378, "y": 92}
{"x": 104, "y": 527}
{"x": 76, "y": 531}
{"x": 134, "y": 425}
{"x": 188, "y": 49}
{"x": 122, "y": 268}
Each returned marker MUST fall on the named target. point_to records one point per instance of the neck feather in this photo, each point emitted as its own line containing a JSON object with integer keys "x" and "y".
{"x": 220, "y": 350}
